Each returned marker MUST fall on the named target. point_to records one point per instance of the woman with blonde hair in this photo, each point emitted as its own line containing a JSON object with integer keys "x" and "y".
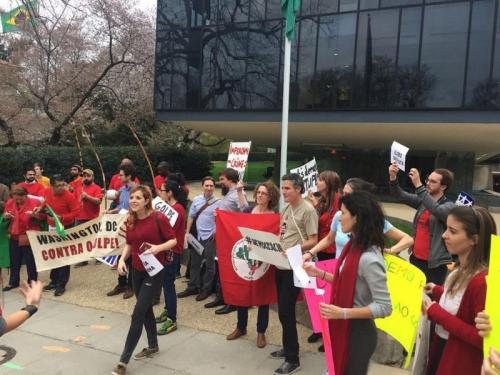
{"x": 147, "y": 231}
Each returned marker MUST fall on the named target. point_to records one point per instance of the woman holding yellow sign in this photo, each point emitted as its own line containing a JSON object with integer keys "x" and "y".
{"x": 457, "y": 347}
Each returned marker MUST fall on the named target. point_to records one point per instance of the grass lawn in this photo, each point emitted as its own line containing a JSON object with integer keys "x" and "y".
{"x": 255, "y": 170}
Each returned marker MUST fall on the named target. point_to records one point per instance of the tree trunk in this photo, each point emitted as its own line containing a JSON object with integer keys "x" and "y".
{"x": 9, "y": 133}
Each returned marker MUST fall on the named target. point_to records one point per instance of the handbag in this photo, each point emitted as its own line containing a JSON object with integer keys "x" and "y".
{"x": 169, "y": 254}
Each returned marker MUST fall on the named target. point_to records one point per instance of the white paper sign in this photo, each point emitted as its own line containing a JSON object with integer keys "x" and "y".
{"x": 300, "y": 277}
{"x": 238, "y": 156}
{"x": 309, "y": 174}
{"x": 195, "y": 243}
{"x": 398, "y": 154}
{"x": 161, "y": 206}
{"x": 265, "y": 247}
{"x": 150, "y": 263}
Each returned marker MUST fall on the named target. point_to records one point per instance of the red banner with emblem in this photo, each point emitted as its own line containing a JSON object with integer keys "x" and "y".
{"x": 245, "y": 282}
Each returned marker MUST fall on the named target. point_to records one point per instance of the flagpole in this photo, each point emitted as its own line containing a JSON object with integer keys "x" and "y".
{"x": 284, "y": 116}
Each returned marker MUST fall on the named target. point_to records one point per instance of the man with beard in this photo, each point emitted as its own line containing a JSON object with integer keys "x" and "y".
{"x": 75, "y": 183}
{"x": 34, "y": 188}
{"x": 116, "y": 182}
{"x": 90, "y": 202}
{"x": 428, "y": 252}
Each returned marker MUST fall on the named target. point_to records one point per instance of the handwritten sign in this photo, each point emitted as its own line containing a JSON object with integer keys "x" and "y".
{"x": 309, "y": 174}
{"x": 406, "y": 284}
{"x": 265, "y": 247}
{"x": 238, "y": 156}
{"x": 300, "y": 278}
{"x": 151, "y": 264}
{"x": 398, "y": 154}
{"x": 492, "y": 302}
{"x": 161, "y": 206}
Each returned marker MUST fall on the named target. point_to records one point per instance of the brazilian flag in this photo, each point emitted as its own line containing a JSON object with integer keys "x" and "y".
{"x": 18, "y": 18}
{"x": 4, "y": 243}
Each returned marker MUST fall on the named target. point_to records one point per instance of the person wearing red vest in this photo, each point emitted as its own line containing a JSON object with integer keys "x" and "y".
{"x": 66, "y": 207}
{"x": 19, "y": 211}
{"x": 31, "y": 185}
{"x": 457, "y": 346}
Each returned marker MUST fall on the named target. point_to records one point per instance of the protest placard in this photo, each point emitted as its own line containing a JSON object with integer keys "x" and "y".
{"x": 95, "y": 238}
{"x": 465, "y": 199}
{"x": 309, "y": 174}
{"x": 151, "y": 264}
{"x": 492, "y": 302}
{"x": 398, "y": 154}
{"x": 300, "y": 278}
{"x": 238, "y": 156}
{"x": 406, "y": 284}
{"x": 265, "y": 246}
{"x": 161, "y": 206}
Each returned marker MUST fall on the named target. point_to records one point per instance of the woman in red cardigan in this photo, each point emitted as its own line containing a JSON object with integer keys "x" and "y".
{"x": 456, "y": 346}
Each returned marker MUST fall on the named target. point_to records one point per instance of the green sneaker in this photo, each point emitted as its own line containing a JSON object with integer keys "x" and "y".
{"x": 162, "y": 318}
{"x": 167, "y": 327}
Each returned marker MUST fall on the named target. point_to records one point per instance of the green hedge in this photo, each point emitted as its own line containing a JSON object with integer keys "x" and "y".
{"x": 195, "y": 164}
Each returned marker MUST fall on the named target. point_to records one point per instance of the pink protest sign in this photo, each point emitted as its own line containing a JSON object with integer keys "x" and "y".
{"x": 313, "y": 300}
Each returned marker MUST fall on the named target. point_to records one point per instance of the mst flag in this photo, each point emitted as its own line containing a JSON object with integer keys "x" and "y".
{"x": 290, "y": 9}
{"x": 245, "y": 282}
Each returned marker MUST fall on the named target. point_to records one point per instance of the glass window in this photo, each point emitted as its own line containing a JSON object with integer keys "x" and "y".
{"x": 230, "y": 64}
{"x": 307, "y": 57}
{"x": 348, "y": 5}
{"x": 376, "y": 57}
{"x": 212, "y": 16}
{"x": 209, "y": 70}
{"x": 495, "y": 82}
{"x": 368, "y": 4}
{"x": 263, "y": 75}
{"x": 393, "y": 3}
{"x": 478, "y": 69}
{"x": 443, "y": 53}
{"x": 233, "y": 11}
{"x": 179, "y": 83}
{"x": 273, "y": 9}
{"x": 332, "y": 86}
{"x": 319, "y": 7}
{"x": 172, "y": 12}
{"x": 257, "y": 10}
{"x": 409, "y": 37}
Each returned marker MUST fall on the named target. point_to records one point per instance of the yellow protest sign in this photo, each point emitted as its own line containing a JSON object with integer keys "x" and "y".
{"x": 405, "y": 283}
{"x": 492, "y": 300}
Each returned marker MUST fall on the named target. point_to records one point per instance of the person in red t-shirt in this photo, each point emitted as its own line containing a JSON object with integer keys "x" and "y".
{"x": 163, "y": 170}
{"x": 172, "y": 193}
{"x": 147, "y": 232}
{"x": 90, "y": 202}
{"x": 75, "y": 183}
{"x": 66, "y": 207}
{"x": 31, "y": 185}
{"x": 19, "y": 211}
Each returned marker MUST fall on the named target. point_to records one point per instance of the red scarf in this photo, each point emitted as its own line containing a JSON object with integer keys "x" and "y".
{"x": 344, "y": 284}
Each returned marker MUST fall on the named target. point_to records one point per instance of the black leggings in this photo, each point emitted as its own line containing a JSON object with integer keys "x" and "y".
{"x": 145, "y": 289}
{"x": 362, "y": 344}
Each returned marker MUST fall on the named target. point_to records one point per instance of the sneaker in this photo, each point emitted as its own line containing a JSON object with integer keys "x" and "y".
{"x": 167, "y": 327}
{"x": 146, "y": 353}
{"x": 59, "y": 292}
{"x": 120, "y": 369}
{"x": 321, "y": 348}
{"x": 128, "y": 292}
{"x": 314, "y": 337}
{"x": 162, "y": 318}
{"x": 287, "y": 368}
{"x": 9, "y": 287}
{"x": 81, "y": 264}
{"x": 278, "y": 354}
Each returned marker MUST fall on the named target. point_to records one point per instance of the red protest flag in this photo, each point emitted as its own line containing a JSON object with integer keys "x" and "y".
{"x": 245, "y": 282}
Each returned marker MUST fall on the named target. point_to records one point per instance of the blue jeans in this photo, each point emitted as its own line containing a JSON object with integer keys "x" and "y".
{"x": 169, "y": 287}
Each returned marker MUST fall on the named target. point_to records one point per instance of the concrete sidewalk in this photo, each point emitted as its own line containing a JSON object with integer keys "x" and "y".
{"x": 67, "y": 339}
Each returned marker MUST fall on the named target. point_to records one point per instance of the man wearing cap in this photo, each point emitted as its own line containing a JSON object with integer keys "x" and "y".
{"x": 90, "y": 201}
{"x": 75, "y": 183}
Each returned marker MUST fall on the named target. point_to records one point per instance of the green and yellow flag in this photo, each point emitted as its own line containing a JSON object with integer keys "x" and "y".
{"x": 57, "y": 223}
{"x": 290, "y": 9}
{"x": 18, "y": 18}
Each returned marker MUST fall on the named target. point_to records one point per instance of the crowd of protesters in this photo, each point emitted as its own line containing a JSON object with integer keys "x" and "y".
{"x": 450, "y": 244}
